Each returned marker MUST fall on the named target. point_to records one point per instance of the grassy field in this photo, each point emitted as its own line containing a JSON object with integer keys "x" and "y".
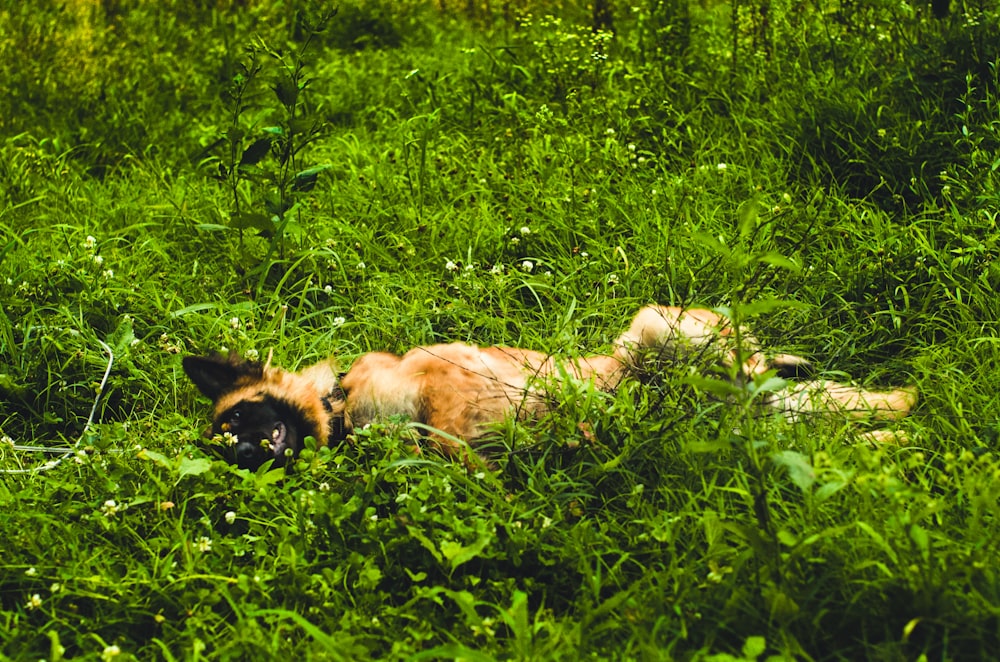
{"x": 181, "y": 177}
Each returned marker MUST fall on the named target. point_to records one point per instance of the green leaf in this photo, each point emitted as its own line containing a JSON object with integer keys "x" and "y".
{"x": 754, "y": 647}
{"x": 155, "y": 458}
{"x": 799, "y": 469}
{"x": 193, "y": 466}
{"x": 256, "y": 152}
{"x": 457, "y": 554}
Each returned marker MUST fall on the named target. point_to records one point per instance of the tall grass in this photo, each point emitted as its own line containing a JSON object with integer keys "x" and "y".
{"x": 497, "y": 173}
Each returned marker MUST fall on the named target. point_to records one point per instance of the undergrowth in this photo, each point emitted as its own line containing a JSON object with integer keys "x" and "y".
{"x": 259, "y": 177}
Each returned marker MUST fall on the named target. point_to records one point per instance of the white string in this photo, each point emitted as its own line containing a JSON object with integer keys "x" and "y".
{"x": 66, "y": 452}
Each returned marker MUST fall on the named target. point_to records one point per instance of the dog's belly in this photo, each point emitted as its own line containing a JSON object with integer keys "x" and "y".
{"x": 458, "y": 389}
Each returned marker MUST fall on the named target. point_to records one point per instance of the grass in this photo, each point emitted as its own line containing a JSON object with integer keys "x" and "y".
{"x": 497, "y": 175}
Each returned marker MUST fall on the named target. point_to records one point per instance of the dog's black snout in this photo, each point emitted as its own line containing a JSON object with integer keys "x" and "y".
{"x": 245, "y": 452}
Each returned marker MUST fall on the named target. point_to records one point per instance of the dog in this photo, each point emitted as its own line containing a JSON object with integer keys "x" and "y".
{"x": 460, "y": 392}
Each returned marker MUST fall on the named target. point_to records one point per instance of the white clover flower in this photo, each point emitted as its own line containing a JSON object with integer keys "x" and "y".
{"x": 338, "y": 321}
{"x": 721, "y": 167}
{"x": 108, "y": 274}
{"x": 450, "y": 266}
{"x": 328, "y": 289}
{"x": 612, "y": 279}
{"x": 324, "y": 487}
{"x": 527, "y": 265}
{"x": 204, "y": 544}
{"x": 34, "y": 602}
{"x": 230, "y": 517}
{"x": 90, "y": 242}
{"x": 253, "y": 354}
{"x": 98, "y": 260}
{"x": 496, "y": 269}
{"x": 109, "y": 508}
{"x": 362, "y": 266}
{"x": 234, "y": 322}
{"x": 525, "y": 230}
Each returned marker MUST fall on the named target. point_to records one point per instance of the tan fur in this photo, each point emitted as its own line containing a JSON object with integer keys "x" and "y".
{"x": 462, "y": 390}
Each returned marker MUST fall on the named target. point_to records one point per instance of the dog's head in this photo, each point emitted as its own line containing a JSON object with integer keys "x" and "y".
{"x": 263, "y": 413}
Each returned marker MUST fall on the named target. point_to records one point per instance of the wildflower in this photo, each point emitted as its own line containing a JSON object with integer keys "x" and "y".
{"x": 109, "y": 508}
{"x": 610, "y": 132}
{"x": 252, "y": 355}
{"x": 525, "y": 230}
{"x": 229, "y": 439}
{"x": 31, "y": 572}
{"x": 34, "y": 602}
{"x": 234, "y": 322}
{"x": 204, "y": 544}
{"x": 450, "y": 266}
{"x": 362, "y": 266}
{"x": 230, "y": 517}
{"x": 338, "y": 321}
{"x": 496, "y": 269}
{"x": 528, "y": 265}
{"x": 110, "y": 652}
{"x": 328, "y": 289}
{"x": 721, "y": 167}
{"x": 98, "y": 260}
{"x": 324, "y": 487}
{"x": 6, "y": 440}
{"x": 90, "y": 242}
{"x": 612, "y": 279}
{"x": 108, "y": 274}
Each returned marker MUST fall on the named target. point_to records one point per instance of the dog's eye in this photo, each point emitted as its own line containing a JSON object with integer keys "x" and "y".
{"x": 235, "y": 416}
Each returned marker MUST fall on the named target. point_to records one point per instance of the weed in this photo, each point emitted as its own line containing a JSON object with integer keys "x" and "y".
{"x": 423, "y": 172}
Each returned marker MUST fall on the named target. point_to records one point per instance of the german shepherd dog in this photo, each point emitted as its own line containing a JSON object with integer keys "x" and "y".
{"x": 460, "y": 392}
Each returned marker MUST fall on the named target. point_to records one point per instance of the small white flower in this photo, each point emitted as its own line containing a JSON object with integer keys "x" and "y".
{"x": 527, "y": 265}
{"x": 204, "y": 544}
{"x": 229, "y": 438}
{"x": 252, "y": 355}
{"x": 721, "y": 167}
{"x": 328, "y": 289}
{"x": 110, "y": 652}
{"x": 108, "y": 274}
{"x": 496, "y": 269}
{"x": 98, "y": 260}
{"x": 338, "y": 321}
{"x": 90, "y": 242}
{"x": 6, "y": 440}
{"x": 31, "y": 572}
{"x": 612, "y": 279}
{"x": 234, "y": 322}
{"x": 34, "y": 602}
{"x": 610, "y": 132}
{"x": 450, "y": 266}
{"x": 55, "y": 588}
{"x": 362, "y": 266}
{"x": 109, "y": 508}
{"x": 324, "y": 487}
{"x": 230, "y": 517}
{"x": 525, "y": 230}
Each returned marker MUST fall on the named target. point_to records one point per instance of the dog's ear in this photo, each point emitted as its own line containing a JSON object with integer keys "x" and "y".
{"x": 215, "y": 376}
